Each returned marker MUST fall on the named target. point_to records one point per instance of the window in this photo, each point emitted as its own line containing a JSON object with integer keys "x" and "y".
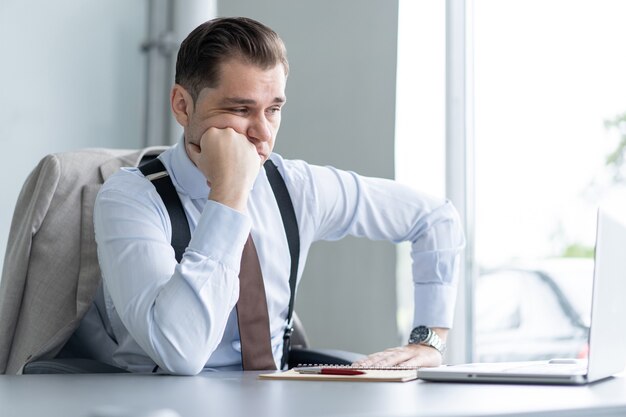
{"x": 548, "y": 99}
{"x": 549, "y": 89}
{"x": 420, "y": 120}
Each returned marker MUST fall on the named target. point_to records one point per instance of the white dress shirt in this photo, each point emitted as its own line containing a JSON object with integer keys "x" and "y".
{"x": 181, "y": 317}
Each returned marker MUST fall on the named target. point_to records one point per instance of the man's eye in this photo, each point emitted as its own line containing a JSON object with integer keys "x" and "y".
{"x": 274, "y": 110}
{"x": 240, "y": 110}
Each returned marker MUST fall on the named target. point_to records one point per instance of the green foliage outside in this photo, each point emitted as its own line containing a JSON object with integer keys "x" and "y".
{"x": 577, "y": 250}
{"x": 615, "y": 160}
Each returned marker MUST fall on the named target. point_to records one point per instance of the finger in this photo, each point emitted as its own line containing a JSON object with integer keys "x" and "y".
{"x": 390, "y": 357}
{"x": 413, "y": 362}
{"x": 408, "y": 355}
{"x": 368, "y": 360}
{"x": 193, "y": 150}
{"x": 425, "y": 358}
{"x": 393, "y": 358}
{"x": 377, "y": 356}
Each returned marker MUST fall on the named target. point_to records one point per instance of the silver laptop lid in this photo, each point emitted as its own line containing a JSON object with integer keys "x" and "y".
{"x": 607, "y": 338}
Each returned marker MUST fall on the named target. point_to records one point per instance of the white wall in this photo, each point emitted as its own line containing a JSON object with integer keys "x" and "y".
{"x": 340, "y": 111}
{"x": 72, "y": 77}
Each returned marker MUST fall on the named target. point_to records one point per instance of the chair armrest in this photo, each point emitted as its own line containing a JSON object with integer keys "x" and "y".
{"x": 299, "y": 356}
{"x": 70, "y": 366}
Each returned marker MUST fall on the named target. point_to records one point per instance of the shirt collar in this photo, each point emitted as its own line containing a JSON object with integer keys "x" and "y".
{"x": 185, "y": 175}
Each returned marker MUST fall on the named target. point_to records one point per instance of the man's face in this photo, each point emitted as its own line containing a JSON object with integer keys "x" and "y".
{"x": 248, "y": 99}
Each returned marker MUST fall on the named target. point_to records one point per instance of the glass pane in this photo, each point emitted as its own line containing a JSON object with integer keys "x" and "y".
{"x": 550, "y": 110}
{"x": 420, "y": 121}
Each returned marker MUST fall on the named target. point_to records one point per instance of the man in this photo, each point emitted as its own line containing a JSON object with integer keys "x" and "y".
{"x": 182, "y": 317}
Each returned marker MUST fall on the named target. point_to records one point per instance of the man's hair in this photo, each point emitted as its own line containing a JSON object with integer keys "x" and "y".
{"x": 216, "y": 41}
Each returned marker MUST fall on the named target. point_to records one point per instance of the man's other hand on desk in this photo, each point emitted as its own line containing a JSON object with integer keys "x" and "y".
{"x": 408, "y": 355}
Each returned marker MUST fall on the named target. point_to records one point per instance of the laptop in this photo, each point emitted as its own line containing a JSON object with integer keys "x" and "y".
{"x": 607, "y": 332}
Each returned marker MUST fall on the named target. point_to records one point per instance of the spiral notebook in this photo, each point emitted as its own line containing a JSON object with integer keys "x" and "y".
{"x": 345, "y": 373}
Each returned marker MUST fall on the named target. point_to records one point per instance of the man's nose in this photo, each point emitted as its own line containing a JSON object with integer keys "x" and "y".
{"x": 260, "y": 129}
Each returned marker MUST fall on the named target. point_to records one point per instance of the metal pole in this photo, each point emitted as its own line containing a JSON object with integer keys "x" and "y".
{"x": 459, "y": 165}
{"x": 169, "y": 22}
{"x": 159, "y": 48}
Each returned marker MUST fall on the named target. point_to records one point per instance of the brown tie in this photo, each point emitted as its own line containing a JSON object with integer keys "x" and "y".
{"x": 254, "y": 324}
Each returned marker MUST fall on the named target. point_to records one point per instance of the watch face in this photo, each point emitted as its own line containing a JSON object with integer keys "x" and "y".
{"x": 419, "y": 334}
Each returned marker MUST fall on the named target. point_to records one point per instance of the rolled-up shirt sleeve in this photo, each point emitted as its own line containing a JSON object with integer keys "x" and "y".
{"x": 382, "y": 209}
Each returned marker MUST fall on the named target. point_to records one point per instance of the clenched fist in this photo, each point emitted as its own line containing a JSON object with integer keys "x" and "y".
{"x": 230, "y": 163}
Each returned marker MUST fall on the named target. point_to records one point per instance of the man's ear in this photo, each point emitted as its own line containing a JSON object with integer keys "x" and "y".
{"x": 182, "y": 104}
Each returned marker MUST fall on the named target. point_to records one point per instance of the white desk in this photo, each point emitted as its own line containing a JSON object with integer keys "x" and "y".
{"x": 228, "y": 394}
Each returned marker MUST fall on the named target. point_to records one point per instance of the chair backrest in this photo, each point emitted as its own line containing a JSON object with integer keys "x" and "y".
{"x": 51, "y": 271}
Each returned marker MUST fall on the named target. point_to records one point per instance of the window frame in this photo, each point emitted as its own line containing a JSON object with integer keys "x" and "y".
{"x": 460, "y": 166}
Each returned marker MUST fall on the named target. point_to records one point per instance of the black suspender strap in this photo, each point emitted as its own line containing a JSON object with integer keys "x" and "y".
{"x": 290, "y": 223}
{"x": 157, "y": 174}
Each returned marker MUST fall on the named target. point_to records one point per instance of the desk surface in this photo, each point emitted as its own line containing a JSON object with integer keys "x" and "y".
{"x": 228, "y": 394}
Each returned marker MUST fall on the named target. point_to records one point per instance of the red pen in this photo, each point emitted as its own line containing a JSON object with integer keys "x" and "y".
{"x": 328, "y": 370}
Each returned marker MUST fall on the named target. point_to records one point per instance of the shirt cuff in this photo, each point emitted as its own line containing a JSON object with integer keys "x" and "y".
{"x": 434, "y": 305}
{"x": 221, "y": 234}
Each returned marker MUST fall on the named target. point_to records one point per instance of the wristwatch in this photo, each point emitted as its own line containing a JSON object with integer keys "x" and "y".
{"x": 422, "y": 335}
